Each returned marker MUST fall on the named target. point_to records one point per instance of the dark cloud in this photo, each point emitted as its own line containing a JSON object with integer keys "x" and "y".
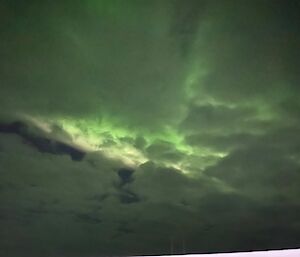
{"x": 161, "y": 150}
{"x": 221, "y": 142}
{"x": 64, "y": 63}
{"x": 127, "y": 197}
{"x": 241, "y": 70}
{"x": 126, "y": 176}
{"x": 77, "y": 203}
{"x": 42, "y": 144}
{"x": 247, "y": 223}
{"x": 217, "y": 118}
{"x": 268, "y": 167}
{"x": 187, "y": 18}
{"x": 88, "y": 218}
{"x": 166, "y": 185}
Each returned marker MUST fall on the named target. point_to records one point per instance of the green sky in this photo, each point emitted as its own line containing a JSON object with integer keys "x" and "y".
{"x": 148, "y": 122}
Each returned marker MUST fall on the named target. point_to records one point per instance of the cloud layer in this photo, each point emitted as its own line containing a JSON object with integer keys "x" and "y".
{"x": 148, "y": 127}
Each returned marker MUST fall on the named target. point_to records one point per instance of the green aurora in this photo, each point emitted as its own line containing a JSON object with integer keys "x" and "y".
{"x": 186, "y": 113}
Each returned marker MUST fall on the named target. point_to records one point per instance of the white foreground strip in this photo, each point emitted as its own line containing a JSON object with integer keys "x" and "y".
{"x": 275, "y": 253}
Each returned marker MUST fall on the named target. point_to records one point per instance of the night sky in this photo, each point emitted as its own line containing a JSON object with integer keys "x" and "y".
{"x": 149, "y": 126}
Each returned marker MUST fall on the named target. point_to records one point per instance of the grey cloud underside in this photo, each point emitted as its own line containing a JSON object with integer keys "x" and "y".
{"x": 161, "y": 150}
{"x": 41, "y": 143}
{"x": 79, "y": 208}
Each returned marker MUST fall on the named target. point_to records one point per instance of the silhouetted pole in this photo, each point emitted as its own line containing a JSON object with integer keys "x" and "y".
{"x": 171, "y": 246}
{"x": 183, "y": 246}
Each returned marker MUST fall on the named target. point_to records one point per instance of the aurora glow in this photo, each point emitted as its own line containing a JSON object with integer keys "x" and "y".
{"x": 134, "y": 127}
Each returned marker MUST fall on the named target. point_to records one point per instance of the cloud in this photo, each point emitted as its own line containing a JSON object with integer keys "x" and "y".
{"x": 217, "y": 118}
{"x": 266, "y": 167}
{"x": 50, "y": 198}
{"x": 64, "y": 64}
{"x": 160, "y": 150}
{"x": 126, "y": 128}
{"x": 43, "y": 144}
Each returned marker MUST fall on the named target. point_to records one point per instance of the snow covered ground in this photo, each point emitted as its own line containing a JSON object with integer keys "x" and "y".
{"x": 277, "y": 253}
